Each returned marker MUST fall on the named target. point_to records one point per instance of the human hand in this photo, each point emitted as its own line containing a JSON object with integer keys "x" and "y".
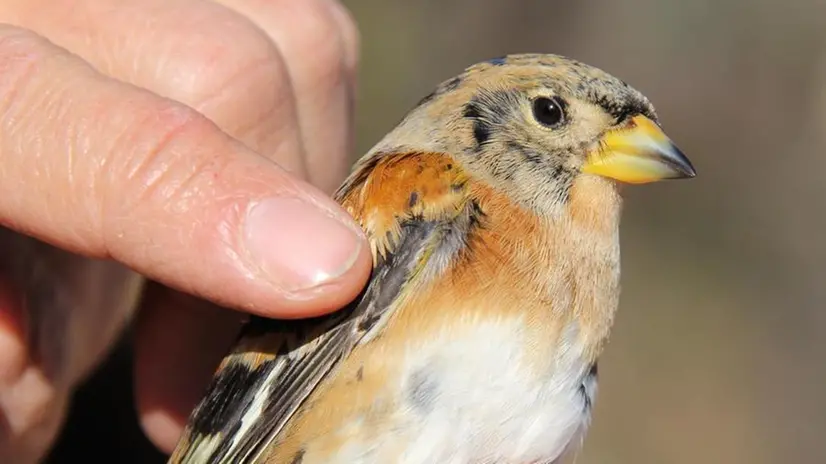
{"x": 178, "y": 138}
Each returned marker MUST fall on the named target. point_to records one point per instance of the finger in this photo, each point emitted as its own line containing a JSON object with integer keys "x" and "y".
{"x": 58, "y": 313}
{"x": 179, "y": 342}
{"x": 128, "y": 175}
{"x": 179, "y": 49}
{"x": 319, "y": 43}
{"x": 38, "y": 412}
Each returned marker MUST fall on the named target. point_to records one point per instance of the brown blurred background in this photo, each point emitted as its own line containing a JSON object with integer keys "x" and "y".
{"x": 718, "y": 352}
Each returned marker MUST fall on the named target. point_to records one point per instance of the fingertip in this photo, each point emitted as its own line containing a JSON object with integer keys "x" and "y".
{"x": 13, "y": 353}
{"x": 13, "y": 358}
{"x": 316, "y": 255}
{"x": 161, "y": 429}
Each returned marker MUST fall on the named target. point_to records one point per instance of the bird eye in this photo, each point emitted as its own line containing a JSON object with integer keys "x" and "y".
{"x": 549, "y": 111}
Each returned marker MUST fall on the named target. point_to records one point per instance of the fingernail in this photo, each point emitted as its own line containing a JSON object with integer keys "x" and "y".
{"x": 299, "y": 245}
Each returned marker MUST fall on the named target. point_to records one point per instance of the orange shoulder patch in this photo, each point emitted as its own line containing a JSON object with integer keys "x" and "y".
{"x": 385, "y": 191}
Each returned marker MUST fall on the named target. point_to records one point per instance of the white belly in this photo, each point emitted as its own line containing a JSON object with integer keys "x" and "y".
{"x": 467, "y": 397}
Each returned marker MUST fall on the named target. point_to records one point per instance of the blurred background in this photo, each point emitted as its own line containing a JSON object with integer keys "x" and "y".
{"x": 719, "y": 352}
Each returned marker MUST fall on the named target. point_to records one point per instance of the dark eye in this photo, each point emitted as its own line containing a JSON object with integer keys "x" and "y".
{"x": 549, "y": 111}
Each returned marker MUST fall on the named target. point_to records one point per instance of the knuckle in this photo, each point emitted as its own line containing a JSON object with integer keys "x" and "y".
{"x": 261, "y": 89}
{"x": 16, "y": 39}
{"x": 157, "y": 174}
{"x": 350, "y": 34}
{"x": 319, "y": 48}
{"x": 34, "y": 102}
{"x": 217, "y": 63}
{"x": 21, "y": 53}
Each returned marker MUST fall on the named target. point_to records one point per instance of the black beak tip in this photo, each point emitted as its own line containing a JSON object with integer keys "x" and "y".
{"x": 682, "y": 164}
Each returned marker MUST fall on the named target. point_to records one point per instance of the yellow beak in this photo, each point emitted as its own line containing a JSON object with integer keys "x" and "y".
{"x": 638, "y": 153}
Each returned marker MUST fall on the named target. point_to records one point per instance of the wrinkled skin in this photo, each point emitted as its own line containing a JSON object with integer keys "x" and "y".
{"x": 138, "y": 135}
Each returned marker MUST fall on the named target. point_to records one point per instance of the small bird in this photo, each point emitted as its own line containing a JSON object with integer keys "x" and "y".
{"x": 492, "y": 211}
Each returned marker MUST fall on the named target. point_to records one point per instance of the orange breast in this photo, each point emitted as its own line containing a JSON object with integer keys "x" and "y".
{"x": 551, "y": 273}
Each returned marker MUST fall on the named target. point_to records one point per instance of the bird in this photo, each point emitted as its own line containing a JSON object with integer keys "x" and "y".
{"x": 492, "y": 211}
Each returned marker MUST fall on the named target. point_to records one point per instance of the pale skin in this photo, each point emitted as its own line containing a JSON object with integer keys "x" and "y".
{"x": 193, "y": 141}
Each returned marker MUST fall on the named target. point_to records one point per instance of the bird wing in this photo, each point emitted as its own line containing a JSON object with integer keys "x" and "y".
{"x": 416, "y": 213}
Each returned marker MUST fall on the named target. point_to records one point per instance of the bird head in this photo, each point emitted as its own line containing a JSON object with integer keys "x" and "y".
{"x": 535, "y": 124}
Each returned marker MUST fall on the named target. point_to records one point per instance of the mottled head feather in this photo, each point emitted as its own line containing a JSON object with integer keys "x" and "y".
{"x": 564, "y": 74}
{"x": 483, "y": 118}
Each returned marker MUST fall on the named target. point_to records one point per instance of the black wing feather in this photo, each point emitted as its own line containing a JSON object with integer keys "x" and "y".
{"x": 228, "y": 427}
